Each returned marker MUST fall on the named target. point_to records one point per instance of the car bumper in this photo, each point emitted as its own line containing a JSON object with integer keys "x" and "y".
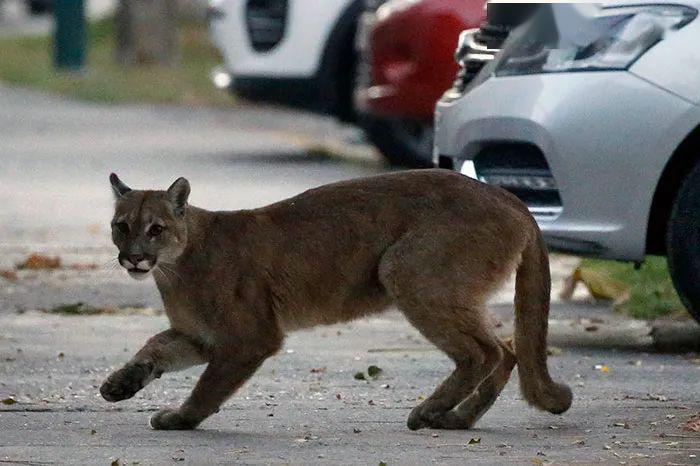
{"x": 605, "y": 138}
{"x": 409, "y": 55}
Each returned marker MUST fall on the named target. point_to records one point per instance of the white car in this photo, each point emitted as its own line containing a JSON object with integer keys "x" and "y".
{"x": 295, "y": 52}
{"x": 597, "y": 131}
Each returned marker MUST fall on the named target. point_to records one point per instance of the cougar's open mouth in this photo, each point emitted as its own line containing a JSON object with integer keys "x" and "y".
{"x": 138, "y": 274}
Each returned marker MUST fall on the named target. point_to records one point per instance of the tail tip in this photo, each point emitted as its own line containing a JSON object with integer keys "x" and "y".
{"x": 555, "y": 398}
{"x": 561, "y": 399}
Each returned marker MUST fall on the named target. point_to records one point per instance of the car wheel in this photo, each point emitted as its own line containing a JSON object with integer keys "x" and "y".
{"x": 402, "y": 142}
{"x": 683, "y": 242}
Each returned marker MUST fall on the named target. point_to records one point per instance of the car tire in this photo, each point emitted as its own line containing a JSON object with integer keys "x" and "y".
{"x": 402, "y": 142}
{"x": 683, "y": 242}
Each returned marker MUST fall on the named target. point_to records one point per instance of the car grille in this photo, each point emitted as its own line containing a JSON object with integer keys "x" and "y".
{"x": 266, "y": 21}
{"x": 480, "y": 46}
{"x": 521, "y": 169}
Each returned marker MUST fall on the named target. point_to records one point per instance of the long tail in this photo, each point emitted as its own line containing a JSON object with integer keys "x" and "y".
{"x": 532, "y": 288}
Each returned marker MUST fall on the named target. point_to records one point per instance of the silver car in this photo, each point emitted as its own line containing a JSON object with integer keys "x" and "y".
{"x": 590, "y": 114}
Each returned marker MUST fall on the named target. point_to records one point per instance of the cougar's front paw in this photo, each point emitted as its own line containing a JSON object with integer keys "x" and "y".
{"x": 169, "y": 419}
{"x": 127, "y": 381}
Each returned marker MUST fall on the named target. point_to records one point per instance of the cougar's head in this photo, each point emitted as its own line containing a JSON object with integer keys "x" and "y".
{"x": 149, "y": 227}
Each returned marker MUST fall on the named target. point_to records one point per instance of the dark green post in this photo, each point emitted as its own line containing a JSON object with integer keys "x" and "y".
{"x": 70, "y": 35}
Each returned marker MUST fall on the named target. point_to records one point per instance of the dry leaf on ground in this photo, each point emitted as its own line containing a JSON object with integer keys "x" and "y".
{"x": 9, "y": 275}
{"x": 83, "y": 267}
{"x": 600, "y": 286}
{"x": 39, "y": 262}
{"x": 692, "y": 424}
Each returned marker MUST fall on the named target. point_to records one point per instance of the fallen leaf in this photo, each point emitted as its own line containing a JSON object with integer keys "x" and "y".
{"x": 318, "y": 370}
{"x": 74, "y": 309}
{"x": 94, "y": 228}
{"x": 9, "y": 401}
{"x": 599, "y": 285}
{"x": 474, "y": 441}
{"x": 356, "y": 430}
{"x": 83, "y": 309}
{"x": 382, "y": 463}
{"x": 590, "y": 328}
{"x": 114, "y": 463}
{"x": 39, "y": 262}
{"x": 61, "y": 355}
{"x": 93, "y": 432}
{"x": 553, "y": 351}
{"x": 374, "y": 371}
{"x": 602, "y": 368}
{"x": 9, "y": 275}
{"x": 692, "y": 424}
{"x": 622, "y": 424}
{"x": 360, "y": 376}
{"x": 579, "y": 442}
{"x": 83, "y": 267}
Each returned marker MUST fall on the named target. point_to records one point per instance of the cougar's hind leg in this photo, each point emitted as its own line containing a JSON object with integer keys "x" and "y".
{"x": 476, "y": 355}
{"x": 471, "y": 409}
{"x": 442, "y": 294}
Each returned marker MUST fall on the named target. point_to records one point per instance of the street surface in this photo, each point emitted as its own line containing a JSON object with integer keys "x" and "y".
{"x": 304, "y": 406}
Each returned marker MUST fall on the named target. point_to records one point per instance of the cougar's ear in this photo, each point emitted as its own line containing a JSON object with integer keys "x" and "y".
{"x": 178, "y": 192}
{"x": 118, "y": 187}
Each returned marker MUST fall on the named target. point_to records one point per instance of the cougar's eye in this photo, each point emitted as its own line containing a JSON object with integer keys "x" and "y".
{"x": 155, "y": 230}
{"x": 122, "y": 227}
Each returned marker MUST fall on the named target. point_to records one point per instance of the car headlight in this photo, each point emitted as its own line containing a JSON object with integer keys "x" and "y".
{"x": 560, "y": 39}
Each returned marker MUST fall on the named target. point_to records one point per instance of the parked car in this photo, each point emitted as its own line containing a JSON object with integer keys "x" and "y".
{"x": 298, "y": 53}
{"x": 302, "y": 54}
{"x": 406, "y": 62}
{"x": 598, "y": 134}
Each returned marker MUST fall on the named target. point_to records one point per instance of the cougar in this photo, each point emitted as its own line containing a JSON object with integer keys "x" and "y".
{"x": 433, "y": 243}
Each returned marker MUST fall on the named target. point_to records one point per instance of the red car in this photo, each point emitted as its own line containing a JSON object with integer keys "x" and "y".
{"x": 406, "y": 50}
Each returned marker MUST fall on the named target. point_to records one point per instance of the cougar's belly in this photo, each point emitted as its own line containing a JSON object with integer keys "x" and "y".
{"x": 298, "y": 317}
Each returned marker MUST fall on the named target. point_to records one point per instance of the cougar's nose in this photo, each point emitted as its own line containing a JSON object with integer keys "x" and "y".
{"x": 136, "y": 258}
{"x": 136, "y": 261}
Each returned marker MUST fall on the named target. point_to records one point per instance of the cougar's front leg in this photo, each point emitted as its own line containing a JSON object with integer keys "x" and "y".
{"x": 165, "y": 352}
{"x": 231, "y": 365}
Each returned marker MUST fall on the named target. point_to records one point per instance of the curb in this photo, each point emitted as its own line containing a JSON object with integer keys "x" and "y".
{"x": 665, "y": 337}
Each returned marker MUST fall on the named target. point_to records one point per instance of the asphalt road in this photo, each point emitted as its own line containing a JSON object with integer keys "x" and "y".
{"x": 304, "y": 405}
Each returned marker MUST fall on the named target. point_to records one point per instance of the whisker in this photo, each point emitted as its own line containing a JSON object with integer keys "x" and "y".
{"x": 157, "y": 269}
{"x": 172, "y": 271}
{"x": 112, "y": 261}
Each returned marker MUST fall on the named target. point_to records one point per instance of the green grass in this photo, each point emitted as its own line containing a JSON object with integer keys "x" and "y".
{"x": 652, "y": 294}
{"x": 27, "y": 62}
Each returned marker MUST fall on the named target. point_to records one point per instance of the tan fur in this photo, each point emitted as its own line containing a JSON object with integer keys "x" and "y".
{"x": 432, "y": 242}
